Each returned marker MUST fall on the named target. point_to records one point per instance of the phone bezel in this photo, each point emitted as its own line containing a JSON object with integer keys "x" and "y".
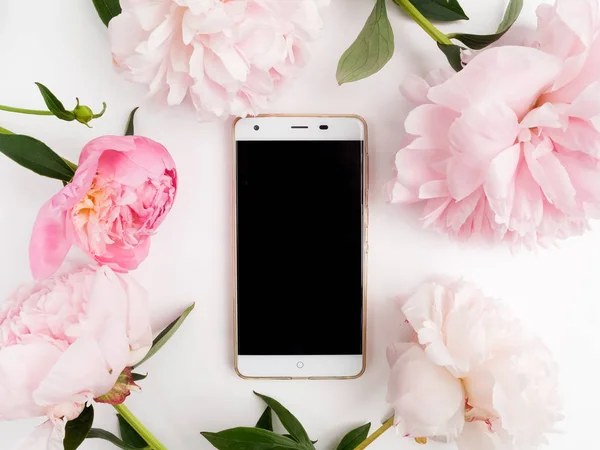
{"x": 303, "y": 127}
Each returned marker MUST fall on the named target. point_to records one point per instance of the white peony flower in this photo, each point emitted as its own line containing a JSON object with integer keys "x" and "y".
{"x": 229, "y": 56}
{"x": 471, "y": 375}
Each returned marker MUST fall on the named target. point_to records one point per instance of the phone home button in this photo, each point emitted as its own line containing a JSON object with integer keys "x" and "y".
{"x": 300, "y": 365}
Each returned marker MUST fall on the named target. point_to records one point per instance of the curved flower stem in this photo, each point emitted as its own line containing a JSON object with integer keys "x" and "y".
{"x": 139, "y": 427}
{"x": 382, "y": 429}
{"x": 424, "y": 23}
{"x": 34, "y": 112}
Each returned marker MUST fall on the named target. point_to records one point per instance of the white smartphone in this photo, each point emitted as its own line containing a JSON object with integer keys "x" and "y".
{"x": 300, "y": 246}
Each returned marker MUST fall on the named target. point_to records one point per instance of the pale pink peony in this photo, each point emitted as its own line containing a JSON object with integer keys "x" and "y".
{"x": 471, "y": 374}
{"x": 230, "y": 56}
{"x": 64, "y": 342}
{"x": 509, "y": 148}
{"x": 122, "y": 191}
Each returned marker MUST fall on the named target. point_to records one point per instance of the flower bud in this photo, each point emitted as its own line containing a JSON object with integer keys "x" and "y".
{"x": 84, "y": 114}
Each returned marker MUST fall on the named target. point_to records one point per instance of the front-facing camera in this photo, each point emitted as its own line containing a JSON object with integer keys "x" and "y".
{"x": 256, "y": 128}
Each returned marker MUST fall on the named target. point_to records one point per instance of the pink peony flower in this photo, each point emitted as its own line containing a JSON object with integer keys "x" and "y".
{"x": 471, "y": 374}
{"x": 230, "y": 56}
{"x": 122, "y": 191}
{"x": 64, "y": 342}
{"x": 509, "y": 148}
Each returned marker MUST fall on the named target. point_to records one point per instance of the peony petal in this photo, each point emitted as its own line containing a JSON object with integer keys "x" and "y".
{"x": 18, "y": 380}
{"x": 415, "y": 89}
{"x": 307, "y": 20}
{"x": 82, "y": 372}
{"x": 178, "y": 87}
{"x": 439, "y": 76}
{"x": 477, "y": 137}
{"x": 125, "y": 259}
{"x": 413, "y": 166}
{"x": 180, "y": 57}
{"x": 124, "y": 33}
{"x": 463, "y": 179}
{"x": 233, "y": 63}
{"x": 567, "y": 30}
{"x": 476, "y": 436}
{"x": 528, "y": 205}
{"x": 139, "y": 331}
{"x": 47, "y": 436}
{"x": 197, "y": 63}
{"x": 133, "y": 165}
{"x": 587, "y": 105}
{"x": 427, "y": 400}
{"x": 458, "y": 213}
{"x": 518, "y": 76}
{"x": 49, "y": 241}
{"x": 483, "y": 131}
{"x": 586, "y": 72}
{"x": 159, "y": 35}
{"x": 397, "y": 193}
{"x": 94, "y": 149}
{"x": 107, "y": 318}
{"x": 419, "y": 306}
{"x": 500, "y": 182}
{"x": 433, "y": 189}
{"x": 434, "y": 210}
{"x": 579, "y": 136}
{"x": 552, "y": 177}
{"x": 585, "y": 181}
{"x": 431, "y": 121}
{"x": 546, "y": 115}
{"x": 149, "y": 14}
{"x": 211, "y": 96}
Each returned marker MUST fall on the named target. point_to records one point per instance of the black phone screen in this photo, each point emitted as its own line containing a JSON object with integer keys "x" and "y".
{"x": 300, "y": 247}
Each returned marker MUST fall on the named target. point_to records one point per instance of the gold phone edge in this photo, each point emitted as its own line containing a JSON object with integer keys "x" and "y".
{"x": 365, "y": 247}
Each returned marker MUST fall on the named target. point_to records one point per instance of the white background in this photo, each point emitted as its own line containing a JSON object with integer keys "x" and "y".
{"x": 192, "y": 386}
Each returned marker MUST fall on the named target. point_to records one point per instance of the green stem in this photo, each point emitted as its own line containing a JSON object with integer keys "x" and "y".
{"x": 382, "y": 429}
{"x": 422, "y": 21}
{"x": 34, "y": 112}
{"x": 139, "y": 427}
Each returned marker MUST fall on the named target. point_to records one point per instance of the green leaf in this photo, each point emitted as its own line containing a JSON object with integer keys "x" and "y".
{"x": 479, "y": 42}
{"x": 77, "y": 429}
{"x": 54, "y": 105}
{"x": 107, "y": 9}
{"x": 165, "y": 335}
{"x": 35, "y": 156}
{"x": 354, "y": 437}
{"x": 513, "y": 11}
{"x": 289, "y": 422}
{"x": 371, "y": 50}
{"x": 290, "y": 436}
{"x": 129, "y": 130}
{"x": 440, "y": 10}
{"x": 138, "y": 376}
{"x": 129, "y": 435}
{"x": 5, "y": 131}
{"x": 97, "y": 433}
{"x": 452, "y": 53}
{"x": 266, "y": 420}
{"x": 251, "y": 439}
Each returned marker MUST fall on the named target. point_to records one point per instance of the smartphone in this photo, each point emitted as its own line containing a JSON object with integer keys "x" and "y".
{"x": 300, "y": 246}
